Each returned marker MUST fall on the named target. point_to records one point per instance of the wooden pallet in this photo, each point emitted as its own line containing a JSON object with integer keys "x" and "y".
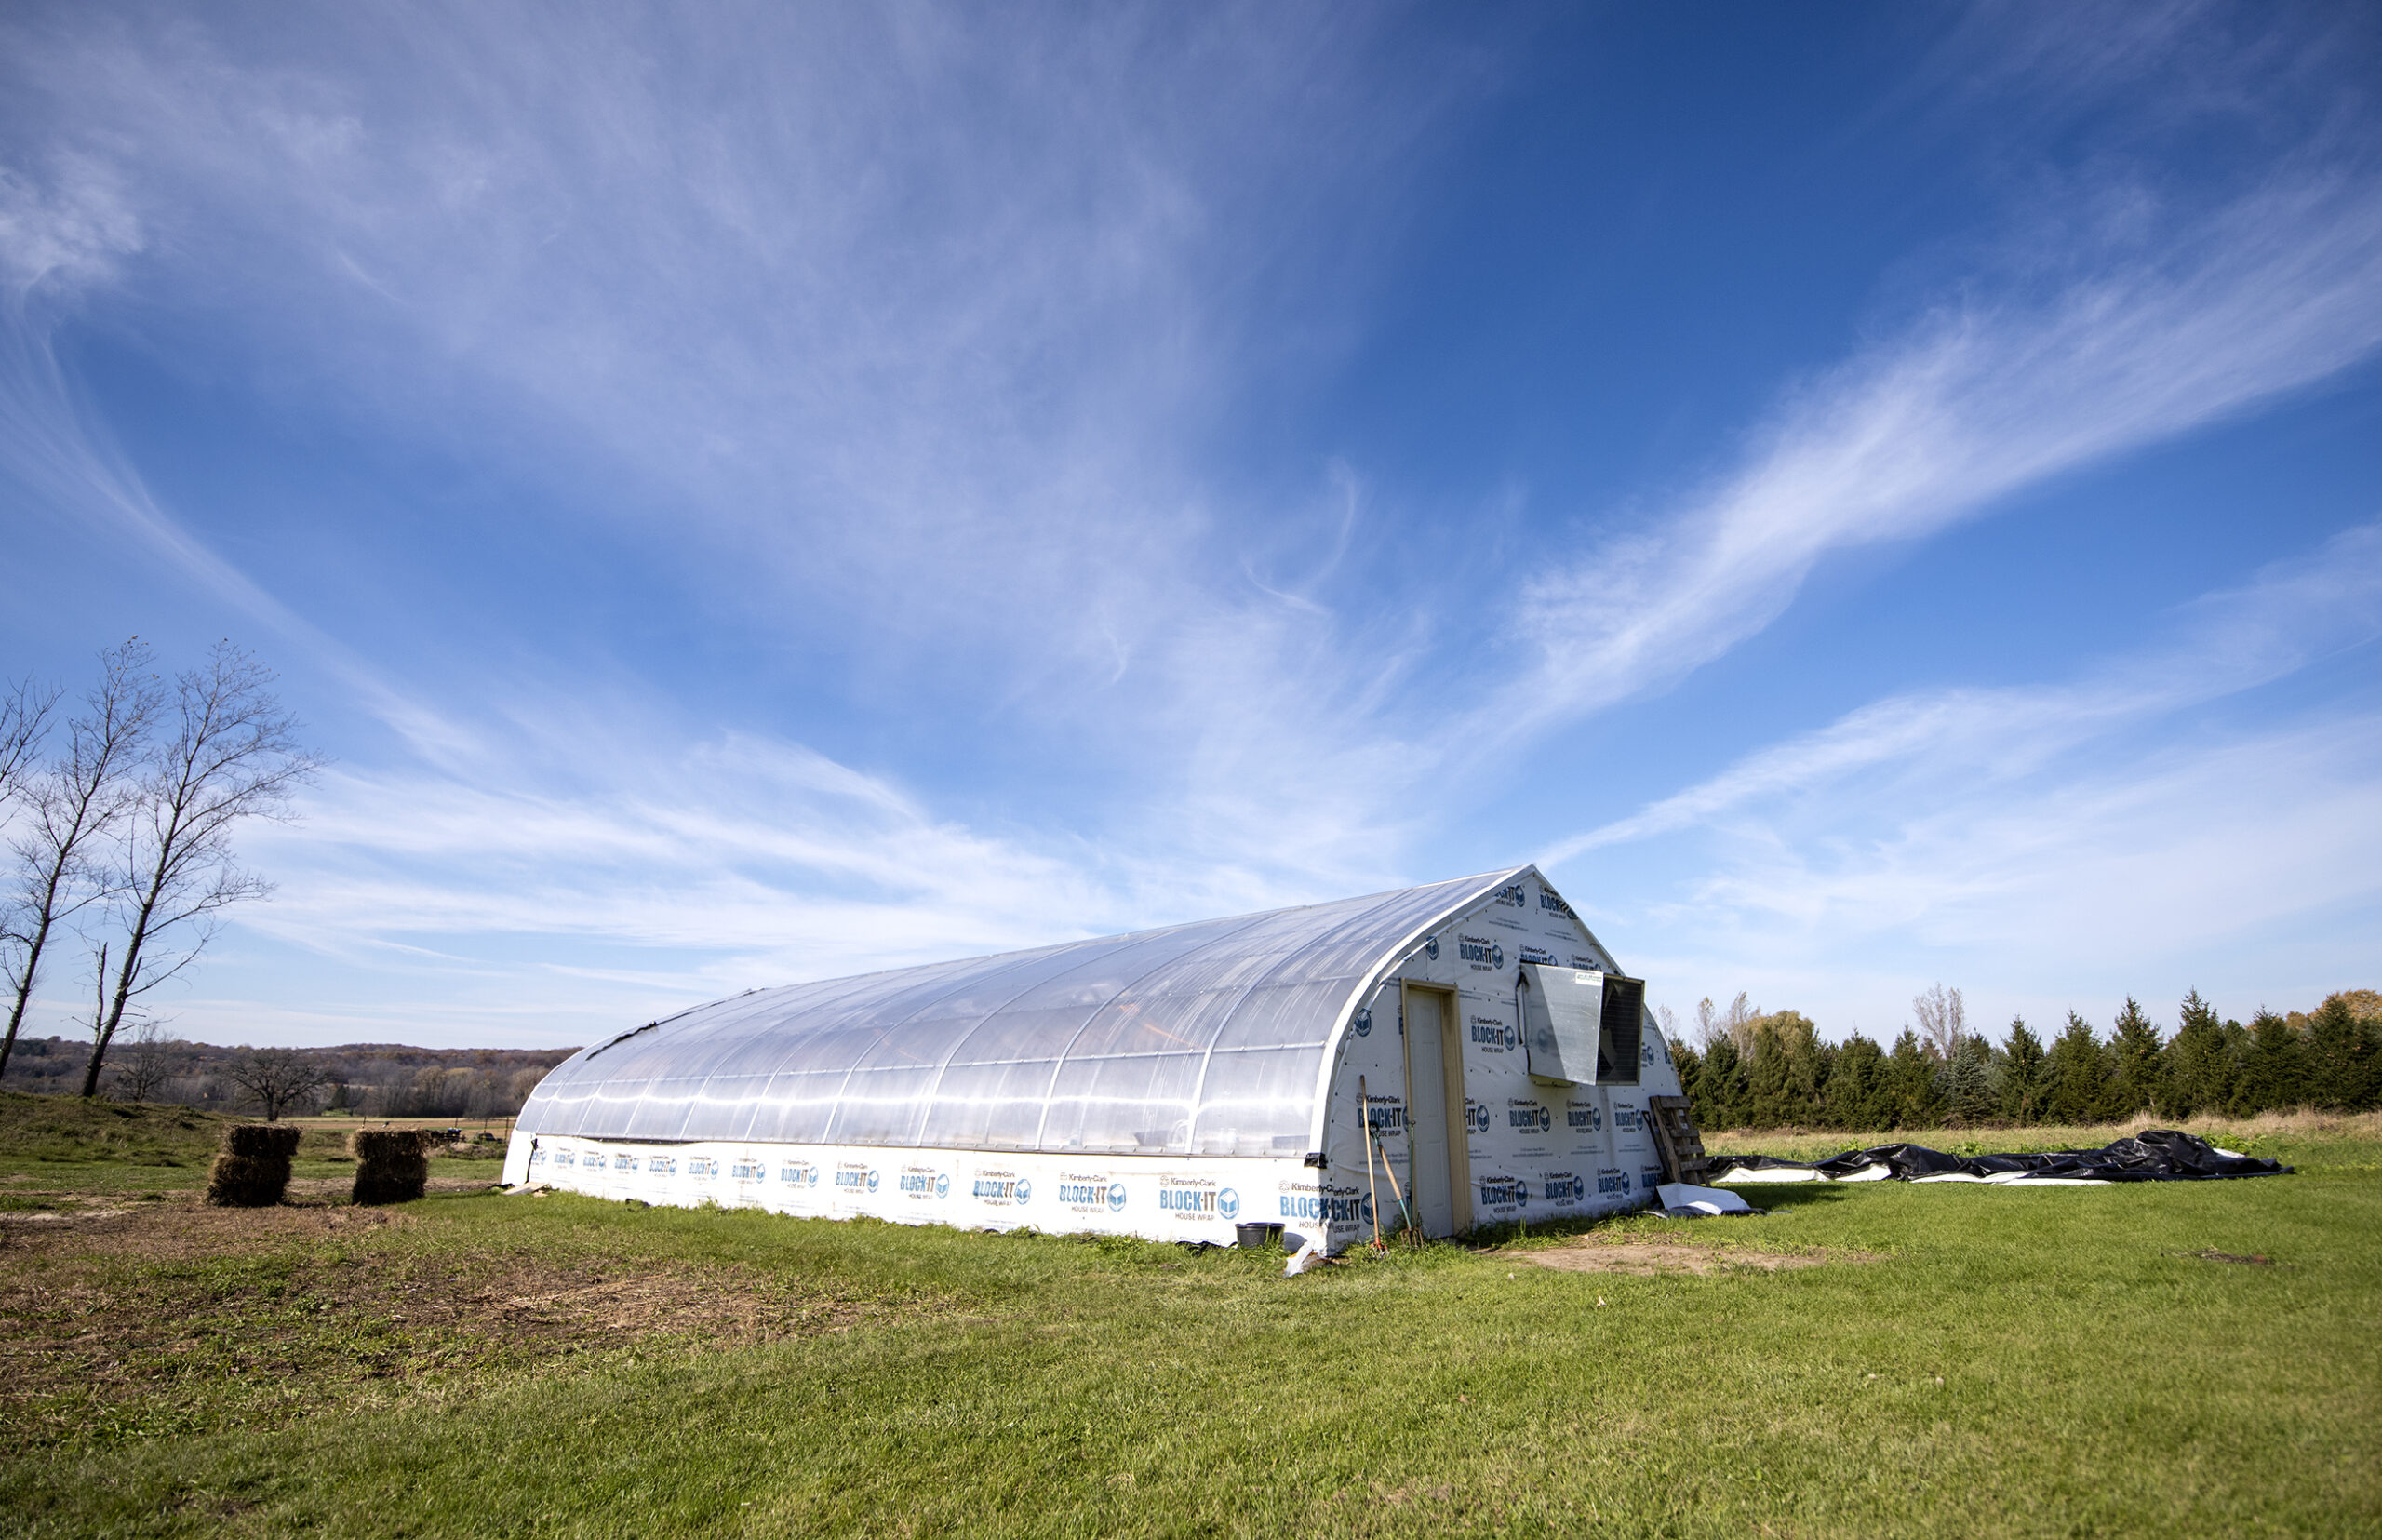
{"x": 1676, "y": 1137}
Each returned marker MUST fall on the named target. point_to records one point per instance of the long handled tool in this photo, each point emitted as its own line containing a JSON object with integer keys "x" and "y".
{"x": 1413, "y": 1237}
{"x": 1373, "y": 1193}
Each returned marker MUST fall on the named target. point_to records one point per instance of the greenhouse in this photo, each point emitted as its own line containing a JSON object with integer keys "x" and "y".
{"x": 1454, "y": 1054}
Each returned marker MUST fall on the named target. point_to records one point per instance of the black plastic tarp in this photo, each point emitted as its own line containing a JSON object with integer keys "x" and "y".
{"x": 2155, "y": 1154}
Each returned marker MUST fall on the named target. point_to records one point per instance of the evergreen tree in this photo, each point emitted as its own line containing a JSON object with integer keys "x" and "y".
{"x": 1785, "y": 1082}
{"x": 1970, "y": 1083}
{"x": 1766, "y": 1097}
{"x": 2201, "y": 1065}
{"x": 2135, "y": 1058}
{"x": 1910, "y": 1084}
{"x": 1689, "y": 1064}
{"x": 2023, "y": 1087}
{"x": 2340, "y": 1052}
{"x": 1856, "y": 1087}
{"x": 2274, "y": 1068}
{"x": 2077, "y": 1073}
{"x": 1718, "y": 1091}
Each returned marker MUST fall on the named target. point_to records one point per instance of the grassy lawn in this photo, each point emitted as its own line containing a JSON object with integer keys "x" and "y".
{"x": 1959, "y": 1361}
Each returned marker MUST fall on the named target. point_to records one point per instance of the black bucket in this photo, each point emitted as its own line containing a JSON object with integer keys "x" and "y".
{"x": 1256, "y": 1235}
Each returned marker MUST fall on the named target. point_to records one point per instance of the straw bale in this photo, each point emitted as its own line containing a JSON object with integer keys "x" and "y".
{"x": 391, "y": 1164}
{"x": 261, "y": 1141}
{"x": 388, "y": 1143}
{"x": 247, "y": 1181}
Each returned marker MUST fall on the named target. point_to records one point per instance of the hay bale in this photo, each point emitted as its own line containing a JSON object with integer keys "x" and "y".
{"x": 261, "y": 1141}
{"x": 391, "y": 1164}
{"x": 253, "y": 1171}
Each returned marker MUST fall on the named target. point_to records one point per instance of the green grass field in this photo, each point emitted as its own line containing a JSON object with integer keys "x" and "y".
{"x": 1961, "y": 1361}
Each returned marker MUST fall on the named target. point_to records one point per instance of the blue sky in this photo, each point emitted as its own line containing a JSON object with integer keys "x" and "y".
{"x": 1866, "y": 495}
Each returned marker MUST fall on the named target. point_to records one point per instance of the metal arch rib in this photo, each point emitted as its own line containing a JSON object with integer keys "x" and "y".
{"x": 1396, "y": 957}
{"x": 1331, "y": 1042}
{"x": 1042, "y": 1124}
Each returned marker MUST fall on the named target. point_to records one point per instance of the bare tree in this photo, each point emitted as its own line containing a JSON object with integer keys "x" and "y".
{"x": 1735, "y": 1023}
{"x": 142, "y": 1067}
{"x": 70, "y": 808}
{"x": 24, "y": 723}
{"x": 279, "y": 1078}
{"x": 1943, "y": 1020}
{"x": 233, "y": 755}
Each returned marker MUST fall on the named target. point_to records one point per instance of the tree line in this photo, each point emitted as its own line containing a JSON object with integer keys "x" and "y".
{"x": 1755, "y": 1069}
{"x": 118, "y": 820}
{"x": 368, "y": 1079}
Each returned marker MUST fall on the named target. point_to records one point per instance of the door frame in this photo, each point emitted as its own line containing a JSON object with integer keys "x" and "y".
{"x": 1458, "y": 1130}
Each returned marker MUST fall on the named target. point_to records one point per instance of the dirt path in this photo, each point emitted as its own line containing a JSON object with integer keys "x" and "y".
{"x": 1591, "y": 1253}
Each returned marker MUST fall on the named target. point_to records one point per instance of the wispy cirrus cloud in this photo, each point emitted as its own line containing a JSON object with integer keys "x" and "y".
{"x": 2289, "y": 615}
{"x": 1971, "y": 404}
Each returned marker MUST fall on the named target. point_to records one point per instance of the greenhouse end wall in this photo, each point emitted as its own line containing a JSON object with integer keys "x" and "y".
{"x": 1534, "y": 1151}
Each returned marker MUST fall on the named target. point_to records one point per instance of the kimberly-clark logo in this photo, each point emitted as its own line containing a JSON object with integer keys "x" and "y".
{"x": 924, "y": 1181}
{"x": 799, "y": 1173}
{"x": 1005, "y": 1188}
{"x": 1587, "y": 965}
{"x": 1193, "y": 1197}
{"x": 1479, "y": 952}
{"x": 1529, "y": 1117}
{"x": 1475, "y": 1117}
{"x": 1492, "y": 1034}
{"x": 1512, "y": 896}
{"x": 1565, "y": 1187}
{"x": 1539, "y": 955}
{"x": 1503, "y": 1192}
{"x": 1612, "y": 1184}
{"x": 1585, "y": 1117}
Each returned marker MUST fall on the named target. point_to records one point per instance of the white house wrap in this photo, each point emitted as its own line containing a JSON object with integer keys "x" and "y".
{"x": 1164, "y": 1084}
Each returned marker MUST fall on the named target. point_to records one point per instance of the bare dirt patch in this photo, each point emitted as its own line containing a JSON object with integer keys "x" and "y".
{"x": 126, "y": 1319}
{"x": 1591, "y": 1255}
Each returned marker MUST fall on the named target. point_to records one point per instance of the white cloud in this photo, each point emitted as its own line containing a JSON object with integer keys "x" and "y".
{"x": 2290, "y": 614}
{"x": 1974, "y": 402}
{"x": 2096, "y": 836}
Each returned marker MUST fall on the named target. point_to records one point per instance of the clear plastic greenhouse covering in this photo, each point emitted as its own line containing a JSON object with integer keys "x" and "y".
{"x": 1206, "y": 1039}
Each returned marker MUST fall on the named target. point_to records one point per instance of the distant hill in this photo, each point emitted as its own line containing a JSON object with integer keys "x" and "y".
{"x": 375, "y": 1079}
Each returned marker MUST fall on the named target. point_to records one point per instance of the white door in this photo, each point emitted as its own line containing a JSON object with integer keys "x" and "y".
{"x": 1430, "y": 1189}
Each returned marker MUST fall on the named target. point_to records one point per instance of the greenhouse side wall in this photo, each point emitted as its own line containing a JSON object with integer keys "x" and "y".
{"x": 1160, "y": 1197}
